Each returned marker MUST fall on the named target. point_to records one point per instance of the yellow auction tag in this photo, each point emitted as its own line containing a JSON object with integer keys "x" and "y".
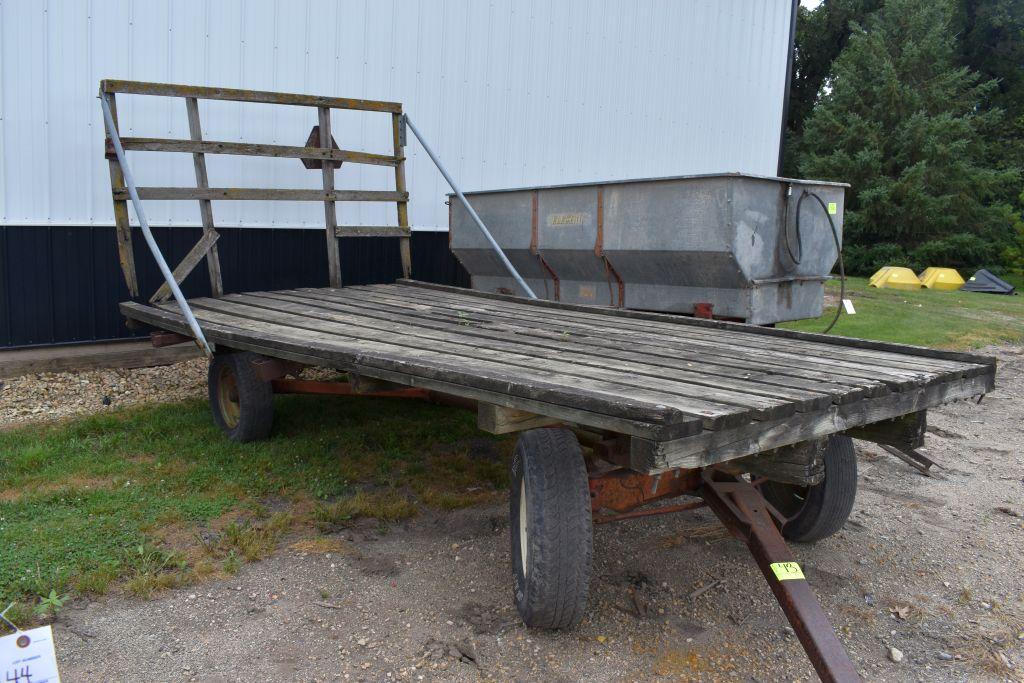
{"x": 786, "y": 571}
{"x": 833, "y": 208}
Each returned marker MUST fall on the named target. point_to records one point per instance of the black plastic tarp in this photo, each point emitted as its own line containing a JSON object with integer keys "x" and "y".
{"x": 986, "y": 282}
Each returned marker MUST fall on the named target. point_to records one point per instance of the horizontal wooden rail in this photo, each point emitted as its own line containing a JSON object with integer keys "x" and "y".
{"x": 371, "y": 231}
{"x": 258, "y": 150}
{"x": 235, "y": 95}
{"x": 249, "y": 194}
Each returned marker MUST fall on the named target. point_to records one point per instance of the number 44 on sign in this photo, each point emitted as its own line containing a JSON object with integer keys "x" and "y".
{"x": 29, "y": 657}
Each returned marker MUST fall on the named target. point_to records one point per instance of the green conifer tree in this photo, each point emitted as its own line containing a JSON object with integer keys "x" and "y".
{"x": 902, "y": 123}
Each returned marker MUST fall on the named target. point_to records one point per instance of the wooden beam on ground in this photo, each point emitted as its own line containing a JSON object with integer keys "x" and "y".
{"x": 122, "y": 354}
{"x": 501, "y": 420}
{"x": 191, "y": 260}
{"x": 205, "y": 206}
{"x": 237, "y": 95}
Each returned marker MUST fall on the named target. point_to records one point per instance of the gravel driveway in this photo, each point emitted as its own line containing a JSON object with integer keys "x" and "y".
{"x": 930, "y": 567}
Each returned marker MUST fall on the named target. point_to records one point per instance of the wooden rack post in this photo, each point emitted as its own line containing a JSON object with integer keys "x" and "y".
{"x": 321, "y": 153}
{"x": 125, "y": 253}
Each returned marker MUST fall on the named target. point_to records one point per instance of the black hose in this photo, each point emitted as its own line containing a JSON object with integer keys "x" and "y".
{"x": 839, "y": 251}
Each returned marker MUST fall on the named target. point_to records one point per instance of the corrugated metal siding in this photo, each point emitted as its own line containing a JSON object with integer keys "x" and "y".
{"x": 510, "y": 92}
{"x": 62, "y": 284}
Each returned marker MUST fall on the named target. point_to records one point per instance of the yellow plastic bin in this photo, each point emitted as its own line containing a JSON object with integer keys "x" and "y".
{"x": 941, "y": 278}
{"x": 895, "y": 277}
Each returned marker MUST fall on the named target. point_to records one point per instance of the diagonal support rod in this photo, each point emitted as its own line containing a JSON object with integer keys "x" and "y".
{"x": 165, "y": 270}
{"x": 472, "y": 212}
{"x": 746, "y": 514}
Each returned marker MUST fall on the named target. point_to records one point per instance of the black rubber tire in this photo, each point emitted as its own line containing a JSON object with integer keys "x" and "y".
{"x": 254, "y": 397}
{"x": 552, "y": 591}
{"x": 826, "y": 505}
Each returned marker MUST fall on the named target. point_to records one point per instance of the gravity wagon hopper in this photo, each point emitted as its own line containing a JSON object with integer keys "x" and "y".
{"x": 617, "y": 408}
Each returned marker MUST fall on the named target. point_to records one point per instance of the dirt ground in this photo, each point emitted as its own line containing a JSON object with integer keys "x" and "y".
{"x": 931, "y": 567}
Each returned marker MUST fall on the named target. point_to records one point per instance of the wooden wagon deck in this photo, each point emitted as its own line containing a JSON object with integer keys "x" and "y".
{"x": 690, "y": 392}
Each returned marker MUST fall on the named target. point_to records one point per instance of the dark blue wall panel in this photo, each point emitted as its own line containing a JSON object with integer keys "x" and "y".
{"x": 62, "y": 284}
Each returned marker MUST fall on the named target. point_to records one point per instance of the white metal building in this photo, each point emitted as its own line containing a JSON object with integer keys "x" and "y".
{"x": 509, "y": 92}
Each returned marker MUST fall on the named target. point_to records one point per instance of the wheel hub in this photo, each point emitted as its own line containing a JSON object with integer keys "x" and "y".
{"x": 227, "y": 397}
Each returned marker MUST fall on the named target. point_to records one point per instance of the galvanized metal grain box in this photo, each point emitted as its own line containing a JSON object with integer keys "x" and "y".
{"x": 728, "y": 243}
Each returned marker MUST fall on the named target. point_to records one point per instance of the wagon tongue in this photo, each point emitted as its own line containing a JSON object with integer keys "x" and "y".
{"x": 749, "y": 517}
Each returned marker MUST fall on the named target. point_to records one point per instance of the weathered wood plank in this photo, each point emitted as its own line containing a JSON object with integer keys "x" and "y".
{"x": 367, "y": 324}
{"x": 718, "y": 407}
{"x": 773, "y": 374}
{"x": 371, "y": 231}
{"x": 119, "y": 354}
{"x": 667, "y": 332}
{"x": 330, "y": 209}
{"x": 255, "y": 149}
{"x": 530, "y": 390}
{"x": 125, "y": 253}
{"x": 905, "y": 432}
{"x": 253, "y": 194}
{"x": 905, "y": 349}
{"x": 891, "y": 368}
{"x": 236, "y": 95}
{"x": 205, "y": 206}
{"x": 370, "y": 385}
{"x": 539, "y": 325}
{"x": 403, "y": 206}
{"x": 187, "y": 265}
{"x": 708, "y": 448}
{"x": 501, "y": 420}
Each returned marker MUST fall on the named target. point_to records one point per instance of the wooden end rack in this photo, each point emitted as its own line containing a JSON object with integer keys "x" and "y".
{"x": 326, "y": 157}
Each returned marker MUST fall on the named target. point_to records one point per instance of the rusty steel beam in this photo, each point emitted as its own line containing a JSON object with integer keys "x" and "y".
{"x": 625, "y": 490}
{"x": 663, "y": 510}
{"x": 749, "y": 517}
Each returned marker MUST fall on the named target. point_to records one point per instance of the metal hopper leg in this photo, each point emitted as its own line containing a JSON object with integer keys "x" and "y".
{"x": 748, "y": 516}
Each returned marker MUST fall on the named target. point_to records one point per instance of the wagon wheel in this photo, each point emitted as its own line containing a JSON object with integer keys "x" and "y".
{"x": 551, "y": 528}
{"x": 815, "y": 512}
{"x": 241, "y": 402}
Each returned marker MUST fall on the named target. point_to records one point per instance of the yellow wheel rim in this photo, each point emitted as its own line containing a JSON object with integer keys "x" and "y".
{"x": 227, "y": 397}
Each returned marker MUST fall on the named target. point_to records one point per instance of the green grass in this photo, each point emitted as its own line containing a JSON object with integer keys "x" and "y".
{"x": 153, "y": 497}
{"x": 948, "y": 320}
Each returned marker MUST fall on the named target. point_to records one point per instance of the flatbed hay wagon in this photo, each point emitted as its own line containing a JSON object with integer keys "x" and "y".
{"x": 616, "y": 408}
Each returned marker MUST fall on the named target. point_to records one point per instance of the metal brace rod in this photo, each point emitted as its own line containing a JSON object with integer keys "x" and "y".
{"x": 462, "y": 198}
{"x": 165, "y": 270}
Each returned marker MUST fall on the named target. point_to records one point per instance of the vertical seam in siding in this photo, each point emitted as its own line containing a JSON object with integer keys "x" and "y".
{"x": 92, "y": 281}
{"x": 6, "y": 271}
{"x": 47, "y": 195}
{"x": 3, "y": 147}
{"x": 52, "y": 284}
{"x": 90, "y": 116}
